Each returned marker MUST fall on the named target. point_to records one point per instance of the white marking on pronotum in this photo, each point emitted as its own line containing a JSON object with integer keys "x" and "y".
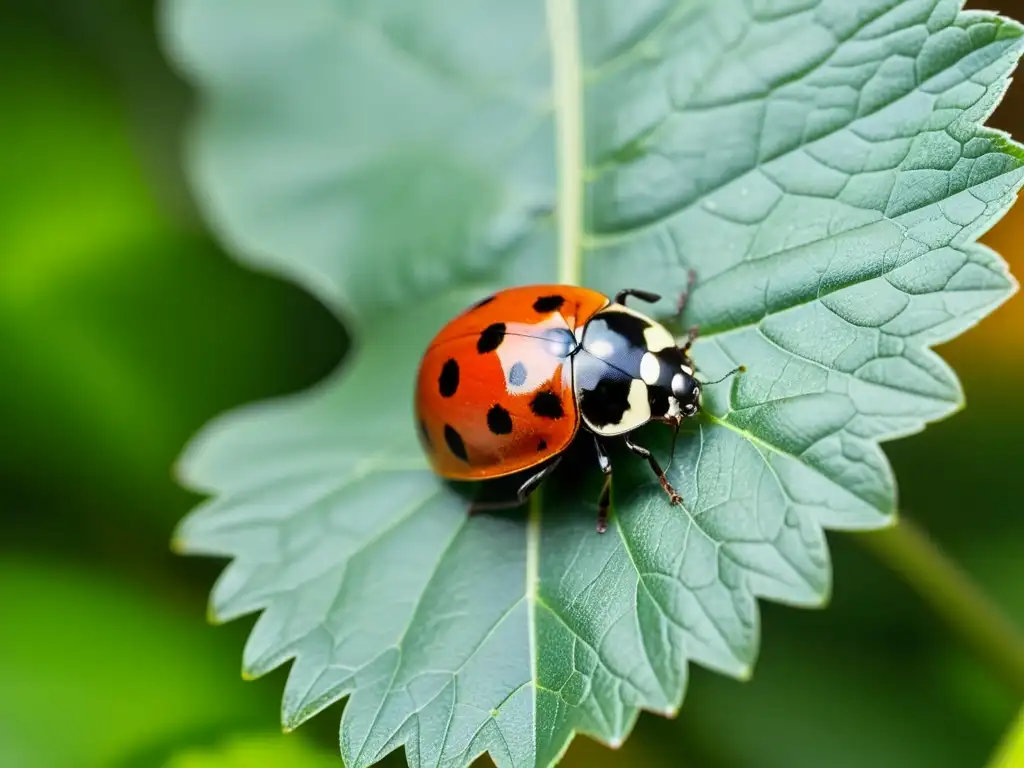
{"x": 650, "y": 368}
{"x": 639, "y": 410}
{"x": 657, "y": 338}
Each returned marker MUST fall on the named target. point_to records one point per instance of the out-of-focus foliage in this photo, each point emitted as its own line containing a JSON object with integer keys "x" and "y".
{"x": 256, "y": 751}
{"x": 122, "y": 299}
{"x": 126, "y": 671}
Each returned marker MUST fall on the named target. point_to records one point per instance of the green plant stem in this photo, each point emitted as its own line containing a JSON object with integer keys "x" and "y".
{"x": 1010, "y": 752}
{"x": 908, "y": 551}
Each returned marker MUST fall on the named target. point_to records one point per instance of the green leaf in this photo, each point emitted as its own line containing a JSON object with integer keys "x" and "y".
{"x": 820, "y": 166}
{"x": 256, "y": 751}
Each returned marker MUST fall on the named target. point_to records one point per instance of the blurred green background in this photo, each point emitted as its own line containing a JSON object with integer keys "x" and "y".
{"x": 124, "y": 327}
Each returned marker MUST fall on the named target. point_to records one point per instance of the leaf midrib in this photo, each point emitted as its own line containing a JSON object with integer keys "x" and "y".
{"x": 567, "y": 87}
{"x": 567, "y": 97}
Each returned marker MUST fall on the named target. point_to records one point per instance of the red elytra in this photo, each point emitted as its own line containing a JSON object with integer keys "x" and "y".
{"x": 485, "y": 369}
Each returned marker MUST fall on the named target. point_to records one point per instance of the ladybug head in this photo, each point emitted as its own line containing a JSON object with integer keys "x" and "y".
{"x": 686, "y": 392}
{"x": 686, "y": 389}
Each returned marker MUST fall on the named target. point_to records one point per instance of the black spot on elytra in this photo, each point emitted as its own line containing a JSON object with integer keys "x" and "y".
{"x": 548, "y": 303}
{"x": 425, "y": 435}
{"x": 517, "y": 375}
{"x": 455, "y": 444}
{"x": 491, "y": 338}
{"x": 547, "y": 405}
{"x": 607, "y": 402}
{"x": 542, "y": 445}
{"x": 498, "y": 420}
{"x": 448, "y": 381}
{"x": 630, "y": 327}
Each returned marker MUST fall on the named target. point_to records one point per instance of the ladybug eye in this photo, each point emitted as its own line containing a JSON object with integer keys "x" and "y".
{"x": 685, "y": 388}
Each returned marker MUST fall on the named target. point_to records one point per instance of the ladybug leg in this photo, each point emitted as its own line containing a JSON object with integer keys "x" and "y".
{"x": 685, "y": 295}
{"x": 642, "y": 452}
{"x": 535, "y": 480}
{"x": 528, "y": 487}
{"x": 650, "y": 298}
{"x": 605, "y": 498}
{"x": 691, "y": 336}
{"x": 694, "y": 331}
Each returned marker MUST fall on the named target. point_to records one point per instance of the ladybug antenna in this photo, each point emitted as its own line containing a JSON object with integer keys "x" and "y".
{"x": 733, "y": 372}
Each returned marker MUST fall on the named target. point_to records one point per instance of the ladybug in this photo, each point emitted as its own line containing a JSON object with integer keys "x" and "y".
{"x": 508, "y": 384}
